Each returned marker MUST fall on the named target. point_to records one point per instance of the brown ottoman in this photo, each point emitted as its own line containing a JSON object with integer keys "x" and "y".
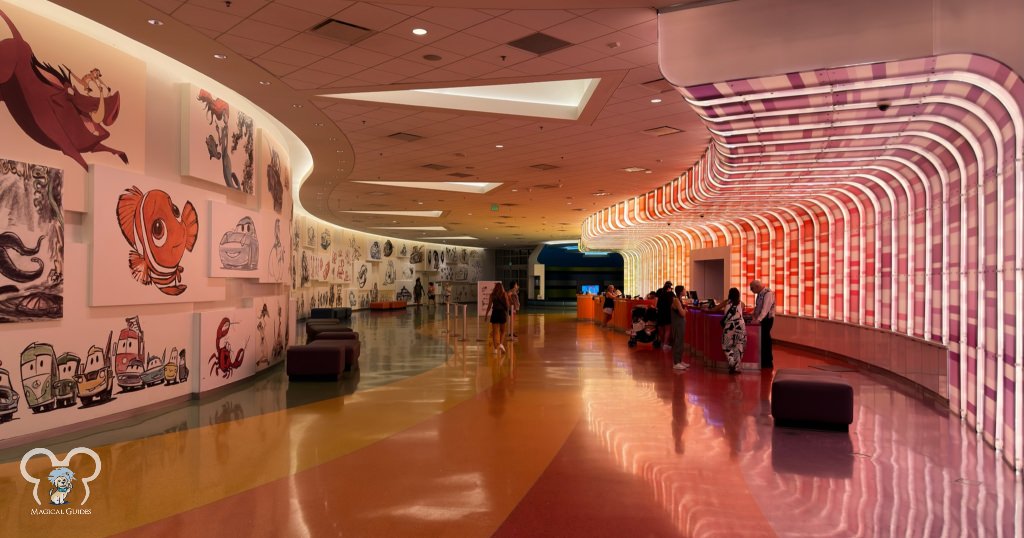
{"x": 315, "y": 362}
{"x": 312, "y": 329}
{"x": 800, "y": 398}
{"x": 350, "y": 350}
{"x": 334, "y": 335}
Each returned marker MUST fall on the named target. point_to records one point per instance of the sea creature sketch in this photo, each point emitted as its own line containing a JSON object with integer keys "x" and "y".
{"x": 221, "y": 360}
{"x": 222, "y": 143}
{"x": 159, "y": 234}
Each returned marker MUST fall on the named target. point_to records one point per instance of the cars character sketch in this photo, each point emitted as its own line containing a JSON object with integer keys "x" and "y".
{"x": 8, "y": 397}
{"x": 240, "y": 248}
{"x": 66, "y": 390}
{"x": 154, "y": 372}
{"x": 39, "y": 376}
{"x": 175, "y": 369}
{"x": 128, "y": 352}
{"x": 95, "y": 376}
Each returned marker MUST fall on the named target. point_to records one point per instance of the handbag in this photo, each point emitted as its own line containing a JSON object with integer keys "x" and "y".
{"x": 728, "y": 315}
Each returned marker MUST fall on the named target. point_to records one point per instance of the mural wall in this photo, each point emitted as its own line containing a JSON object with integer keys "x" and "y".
{"x": 141, "y": 290}
{"x": 340, "y": 267}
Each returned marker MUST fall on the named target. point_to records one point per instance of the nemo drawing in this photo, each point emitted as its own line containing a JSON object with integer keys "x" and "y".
{"x": 159, "y": 234}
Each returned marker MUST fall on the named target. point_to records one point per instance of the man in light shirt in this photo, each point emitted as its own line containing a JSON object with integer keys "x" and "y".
{"x": 764, "y": 315}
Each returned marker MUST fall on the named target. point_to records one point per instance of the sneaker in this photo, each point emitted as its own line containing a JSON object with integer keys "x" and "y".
{"x": 685, "y": 364}
{"x": 501, "y": 348}
{"x": 666, "y": 346}
{"x": 680, "y": 366}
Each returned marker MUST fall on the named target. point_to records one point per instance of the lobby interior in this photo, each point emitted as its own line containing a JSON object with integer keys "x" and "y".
{"x": 864, "y": 159}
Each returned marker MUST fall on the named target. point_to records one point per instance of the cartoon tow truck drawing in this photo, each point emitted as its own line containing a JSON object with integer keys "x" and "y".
{"x": 8, "y": 398}
{"x": 154, "y": 374}
{"x": 175, "y": 369}
{"x": 95, "y": 376}
{"x": 239, "y": 248}
{"x": 66, "y": 389}
{"x": 39, "y": 376}
{"x": 128, "y": 352}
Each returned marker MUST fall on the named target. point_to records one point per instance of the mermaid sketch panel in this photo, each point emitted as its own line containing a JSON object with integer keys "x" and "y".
{"x": 218, "y": 140}
{"x": 31, "y": 242}
{"x": 150, "y": 241}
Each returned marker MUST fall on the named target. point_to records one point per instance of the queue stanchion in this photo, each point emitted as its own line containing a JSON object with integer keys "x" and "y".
{"x": 447, "y": 318}
{"x": 465, "y": 322}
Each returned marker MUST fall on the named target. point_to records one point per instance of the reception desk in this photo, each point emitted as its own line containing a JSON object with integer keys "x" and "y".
{"x": 622, "y": 317}
{"x": 704, "y": 340}
{"x": 589, "y": 307}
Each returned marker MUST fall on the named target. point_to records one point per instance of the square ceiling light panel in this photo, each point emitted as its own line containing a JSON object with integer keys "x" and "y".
{"x": 557, "y": 99}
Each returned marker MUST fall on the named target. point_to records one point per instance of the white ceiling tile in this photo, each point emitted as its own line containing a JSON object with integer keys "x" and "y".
{"x": 243, "y": 46}
{"x": 504, "y": 56}
{"x": 608, "y": 64}
{"x": 276, "y": 68}
{"x": 361, "y": 56}
{"x": 287, "y": 17}
{"x": 435, "y": 32}
{"x": 499, "y": 30}
{"x": 388, "y": 44}
{"x": 464, "y": 44}
{"x": 167, "y": 6}
{"x": 376, "y": 76}
{"x": 209, "y": 33}
{"x": 537, "y": 19}
{"x": 471, "y": 67}
{"x": 408, "y": 10}
{"x": 578, "y": 30}
{"x": 622, "y": 18}
{"x": 313, "y": 44}
{"x": 643, "y": 56}
{"x": 402, "y": 66}
{"x": 622, "y": 42}
{"x": 313, "y": 76}
{"x": 237, "y": 8}
{"x": 260, "y": 31}
{"x": 370, "y": 16}
{"x": 539, "y": 66}
{"x": 647, "y": 31}
{"x": 574, "y": 56}
{"x": 337, "y": 67}
{"x": 456, "y": 18}
{"x": 321, "y": 7}
{"x": 299, "y": 84}
{"x": 290, "y": 57}
{"x": 201, "y": 17}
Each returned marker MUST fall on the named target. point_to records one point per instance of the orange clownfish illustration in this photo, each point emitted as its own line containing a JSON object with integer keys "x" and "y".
{"x": 159, "y": 235}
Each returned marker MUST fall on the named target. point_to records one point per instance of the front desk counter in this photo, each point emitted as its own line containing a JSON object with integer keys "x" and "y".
{"x": 589, "y": 307}
{"x": 622, "y": 317}
{"x": 704, "y": 339}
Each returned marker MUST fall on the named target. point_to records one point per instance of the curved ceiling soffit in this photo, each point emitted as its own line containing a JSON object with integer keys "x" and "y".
{"x": 921, "y": 155}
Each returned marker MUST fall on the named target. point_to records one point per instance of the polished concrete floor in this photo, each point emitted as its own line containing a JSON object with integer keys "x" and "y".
{"x": 570, "y": 433}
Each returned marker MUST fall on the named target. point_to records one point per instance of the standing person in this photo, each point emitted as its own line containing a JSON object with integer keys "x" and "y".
{"x": 417, "y": 291}
{"x": 447, "y": 287}
{"x": 678, "y": 329}
{"x": 610, "y": 294}
{"x": 734, "y": 331}
{"x": 431, "y": 294}
{"x": 497, "y": 309}
{"x": 664, "y": 306}
{"x": 513, "y": 305}
{"x": 764, "y": 315}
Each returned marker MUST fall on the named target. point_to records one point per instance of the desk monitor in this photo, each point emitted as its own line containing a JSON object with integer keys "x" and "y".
{"x": 592, "y": 290}
{"x": 693, "y": 295}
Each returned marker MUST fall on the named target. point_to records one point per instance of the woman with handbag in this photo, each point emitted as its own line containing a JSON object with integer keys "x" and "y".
{"x": 734, "y": 331}
{"x": 497, "y": 309}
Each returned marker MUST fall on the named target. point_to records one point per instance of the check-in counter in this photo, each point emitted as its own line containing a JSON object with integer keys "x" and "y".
{"x": 588, "y": 307}
{"x": 704, "y": 338}
{"x": 622, "y": 317}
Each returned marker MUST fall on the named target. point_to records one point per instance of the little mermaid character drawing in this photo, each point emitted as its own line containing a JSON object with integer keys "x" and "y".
{"x": 159, "y": 234}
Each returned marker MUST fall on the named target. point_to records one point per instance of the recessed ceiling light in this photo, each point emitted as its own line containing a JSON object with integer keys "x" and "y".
{"x": 297, "y": 105}
{"x": 155, "y": 22}
{"x": 655, "y": 100}
{"x": 264, "y": 83}
{"x": 419, "y": 31}
{"x": 601, "y": 193}
{"x": 220, "y": 56}
{"x": 499, "y": 146}
{"x": 634, "y": 169}
{"x": 515, "y": 190}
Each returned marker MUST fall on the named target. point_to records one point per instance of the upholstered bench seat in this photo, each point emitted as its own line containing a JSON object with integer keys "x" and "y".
{"x": 321, "y": 313}
{"x": 312, "y": 329}
{"x": 800, "y": 397}
{"x": 323, "y": 359}
{"x": 347, "y": 334}
{"x": 342, "y": 313}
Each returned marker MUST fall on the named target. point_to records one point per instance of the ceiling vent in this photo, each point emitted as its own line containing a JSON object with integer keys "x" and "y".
{"x": 341, "y": 31}
{"x": 460, "y": 175}
{"x": 407, "y": 137}
{"x": 539, "y": 43}
{"x": 433, "y": 166}
{"x": 664, "y": 130}
{"x": 543, "y": 166}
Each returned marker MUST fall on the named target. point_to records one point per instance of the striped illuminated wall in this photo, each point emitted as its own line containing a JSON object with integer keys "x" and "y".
{"x": 883, "y": 195}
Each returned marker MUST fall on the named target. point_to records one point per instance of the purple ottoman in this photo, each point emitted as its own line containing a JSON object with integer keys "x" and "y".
{"x": 812, "y": 399}
{"x": 315, "y": 361}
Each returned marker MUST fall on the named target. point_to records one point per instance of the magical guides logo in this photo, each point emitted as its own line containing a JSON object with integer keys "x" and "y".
{"x": 63, "y": 485}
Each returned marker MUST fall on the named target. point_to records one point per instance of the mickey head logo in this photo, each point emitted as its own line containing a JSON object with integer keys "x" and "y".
{"x": 59, "y": 463}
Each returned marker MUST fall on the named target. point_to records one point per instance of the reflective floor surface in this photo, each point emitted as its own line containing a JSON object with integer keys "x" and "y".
{"x": 570, "y": 433}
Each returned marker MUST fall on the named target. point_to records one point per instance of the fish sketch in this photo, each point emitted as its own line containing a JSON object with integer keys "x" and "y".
{"x": 159, "y": 234}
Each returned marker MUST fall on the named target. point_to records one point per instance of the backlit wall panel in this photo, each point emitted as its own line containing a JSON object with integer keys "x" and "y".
{"x": 885, "y": 195}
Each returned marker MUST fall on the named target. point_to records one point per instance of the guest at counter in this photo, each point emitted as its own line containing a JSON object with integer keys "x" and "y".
{"x": 764, "y": 315}
{"x": 610, "y": 294}
{"x": 678, "y": 328}
{"x": 734, "y": 331}
{"x": 664, "y": 306}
